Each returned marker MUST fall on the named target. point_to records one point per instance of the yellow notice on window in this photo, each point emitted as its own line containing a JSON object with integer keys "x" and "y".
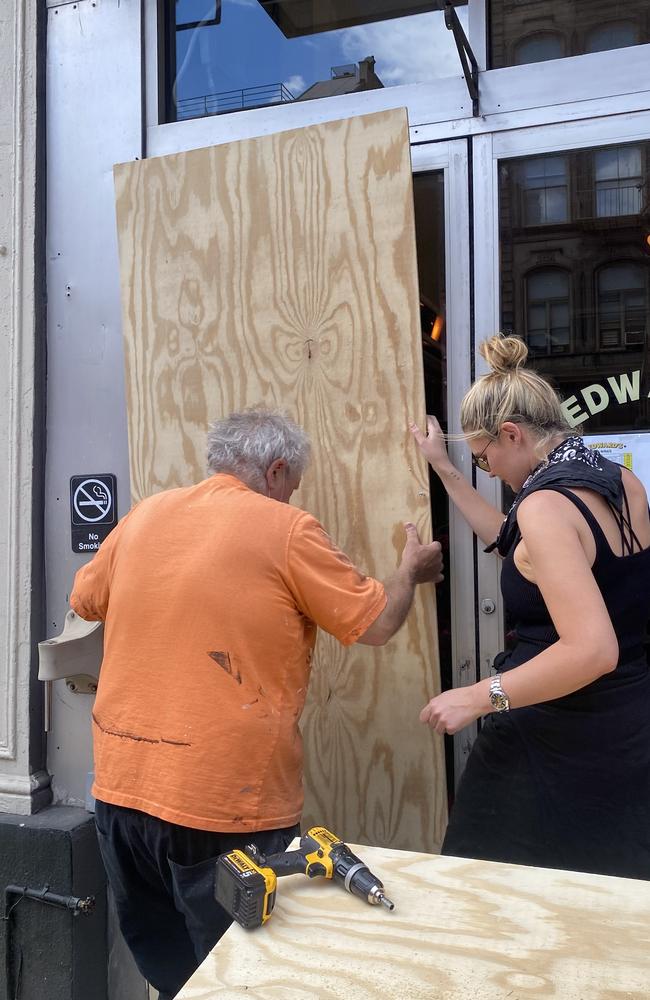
{"x": 630, "y": 450}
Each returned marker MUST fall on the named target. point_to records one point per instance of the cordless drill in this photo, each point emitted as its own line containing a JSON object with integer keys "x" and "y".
{"x": 246, "y": 881}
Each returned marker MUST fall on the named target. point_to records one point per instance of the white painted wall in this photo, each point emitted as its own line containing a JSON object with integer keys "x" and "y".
{"x": 21, "y": 790}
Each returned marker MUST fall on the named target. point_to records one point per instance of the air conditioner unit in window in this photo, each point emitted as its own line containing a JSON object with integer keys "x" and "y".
{"x": 609, "y": 339}
{"x": 634, "y": 338}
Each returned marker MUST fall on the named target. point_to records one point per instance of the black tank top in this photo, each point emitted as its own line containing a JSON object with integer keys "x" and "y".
{"x": 566, "y": 783}
{"x": 622, "y": 580}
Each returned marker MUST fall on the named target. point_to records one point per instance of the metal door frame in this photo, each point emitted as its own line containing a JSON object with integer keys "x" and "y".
{"x": 488, "y": 151}
{"x": 453, "y": 158}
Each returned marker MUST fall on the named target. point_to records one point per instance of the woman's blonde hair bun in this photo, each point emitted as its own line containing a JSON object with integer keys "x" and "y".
{"x": 504, "y": 354}
{"x": 510, "y": 391}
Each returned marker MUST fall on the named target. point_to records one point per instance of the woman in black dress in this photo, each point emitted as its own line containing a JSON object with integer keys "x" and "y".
{"x": 559, "y": 775}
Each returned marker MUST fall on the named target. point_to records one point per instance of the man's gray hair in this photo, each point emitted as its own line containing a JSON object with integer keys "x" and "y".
{"x": 246, "y": 444}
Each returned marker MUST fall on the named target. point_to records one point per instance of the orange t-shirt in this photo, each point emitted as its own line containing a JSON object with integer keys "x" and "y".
{"x": 211, "y": 596}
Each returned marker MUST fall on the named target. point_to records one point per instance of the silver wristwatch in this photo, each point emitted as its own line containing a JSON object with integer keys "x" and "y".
{"x": 498, "y": 698}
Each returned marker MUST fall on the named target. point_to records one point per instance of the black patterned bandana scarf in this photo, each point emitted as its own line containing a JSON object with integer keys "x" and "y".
{"x": 571, "y": 464}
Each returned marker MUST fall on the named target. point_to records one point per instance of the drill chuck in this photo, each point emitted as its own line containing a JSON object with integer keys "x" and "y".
{"x": 358, "y": 879}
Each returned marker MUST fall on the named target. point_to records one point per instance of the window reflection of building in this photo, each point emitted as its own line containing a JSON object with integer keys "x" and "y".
{"x": 545, "y": 194}
{"x": 349, "y": 79}
{"x": 618, "y": 181}
{"x": 547, "y": 311}
{"x": 614, "y": 35}
{"x": 222, "y": 56}
{"x": 622, "y": 305}
{"x": 575, "y": 281}
{"x": 539, "y": 48}
{"x": 529, "y": 31}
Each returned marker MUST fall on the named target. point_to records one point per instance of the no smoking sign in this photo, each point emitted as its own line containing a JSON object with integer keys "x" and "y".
{"x": 93, "y": 510}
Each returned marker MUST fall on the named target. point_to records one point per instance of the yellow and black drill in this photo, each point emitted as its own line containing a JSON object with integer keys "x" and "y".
{"x": 246, "y": 881}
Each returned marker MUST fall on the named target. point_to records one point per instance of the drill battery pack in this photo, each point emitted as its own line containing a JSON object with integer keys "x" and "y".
{"x": 245, "y": 891}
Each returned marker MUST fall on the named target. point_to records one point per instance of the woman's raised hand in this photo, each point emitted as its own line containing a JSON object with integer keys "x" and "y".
{"x": 432, "y": 444}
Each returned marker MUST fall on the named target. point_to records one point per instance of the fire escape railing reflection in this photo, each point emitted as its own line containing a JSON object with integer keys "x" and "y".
{"x": 233, "y": 100}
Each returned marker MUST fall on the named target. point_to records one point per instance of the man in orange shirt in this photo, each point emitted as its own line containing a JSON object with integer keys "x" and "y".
{"x": 211, "y": 597}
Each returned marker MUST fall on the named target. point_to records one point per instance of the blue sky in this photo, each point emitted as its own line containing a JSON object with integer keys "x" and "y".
{"x": 247, "y": 50}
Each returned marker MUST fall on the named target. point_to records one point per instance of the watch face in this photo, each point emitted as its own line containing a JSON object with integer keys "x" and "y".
{"x": 499, "y": 701}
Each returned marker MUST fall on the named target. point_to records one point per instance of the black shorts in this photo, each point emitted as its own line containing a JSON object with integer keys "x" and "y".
{"x": 162, "y": 878}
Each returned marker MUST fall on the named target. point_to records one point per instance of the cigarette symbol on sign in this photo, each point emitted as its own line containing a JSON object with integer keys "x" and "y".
{"x": 92, "y": 501}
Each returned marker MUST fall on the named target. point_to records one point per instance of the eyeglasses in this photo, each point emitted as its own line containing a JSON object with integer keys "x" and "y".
{"x": 481, "y": 460}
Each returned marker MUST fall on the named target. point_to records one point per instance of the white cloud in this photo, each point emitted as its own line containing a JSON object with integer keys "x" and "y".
{"x": 413, "y": 49}
{"x": 296, "y": 84}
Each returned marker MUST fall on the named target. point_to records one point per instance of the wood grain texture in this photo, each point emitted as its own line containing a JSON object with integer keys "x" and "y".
{"x": 461, "y": 930}
{"x": 282, "y": 270}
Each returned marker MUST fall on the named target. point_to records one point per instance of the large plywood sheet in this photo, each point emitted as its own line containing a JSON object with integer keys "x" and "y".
{"x": 461, "y": 930}
{"x": 282, "y": 270}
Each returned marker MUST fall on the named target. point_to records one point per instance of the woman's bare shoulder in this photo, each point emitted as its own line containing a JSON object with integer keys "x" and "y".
{"x": 633, "y": 485}
{"x": 543, "y": 506}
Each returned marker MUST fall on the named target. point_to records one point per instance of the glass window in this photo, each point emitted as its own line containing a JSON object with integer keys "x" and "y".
{"x": 619, "y": 181}
{"x": 528, "y": 31}
{"x": 615, "y": 35}
{"x": 232, "y": 55}
{"x": 579, "y": 292}
{"x": 544, "y": 190}
{"x": 622, "y": 306}
{"x": 539, "y": 48}
{"x": 190, "y": 13}
{"x": 547, "y": 311}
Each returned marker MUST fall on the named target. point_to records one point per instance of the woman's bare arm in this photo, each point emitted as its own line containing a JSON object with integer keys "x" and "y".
{"x": 484, "y": 519}
{"x": 587, "y": 646}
